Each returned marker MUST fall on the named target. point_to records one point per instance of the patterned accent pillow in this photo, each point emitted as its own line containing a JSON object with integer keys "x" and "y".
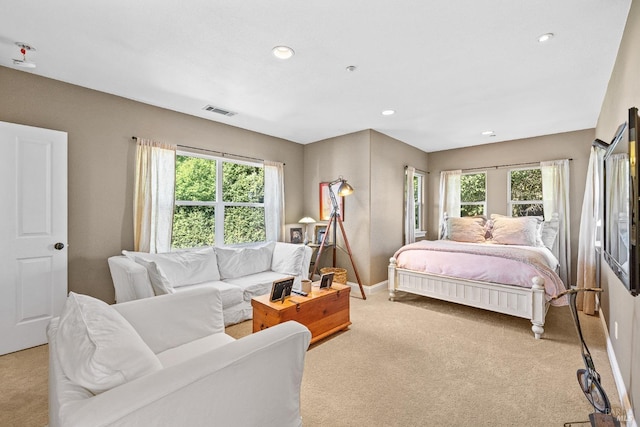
{"x": 523, "y": 230}
{"x": 466, "y": 229}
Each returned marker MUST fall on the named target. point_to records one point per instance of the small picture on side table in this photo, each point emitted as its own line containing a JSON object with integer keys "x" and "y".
{"x": 296, "y": 235}
{"x": 281, "y": 289}
{"x": 319, "y": 233}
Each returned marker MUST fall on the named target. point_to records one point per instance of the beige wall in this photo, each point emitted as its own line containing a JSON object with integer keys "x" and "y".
{"x": 101, "y": 155}
{"x": 388, "y": 159}
{"x": 575, "y": 145}
{"x": 373, "y": 164}
{"x": 618, "y": 305}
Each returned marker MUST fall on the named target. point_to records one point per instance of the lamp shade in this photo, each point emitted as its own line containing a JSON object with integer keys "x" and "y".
{"x": 344, "y": 189}
{"x": 307, "y": 220}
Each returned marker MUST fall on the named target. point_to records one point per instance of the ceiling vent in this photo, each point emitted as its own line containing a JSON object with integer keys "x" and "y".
{"x": 217, "y": 110}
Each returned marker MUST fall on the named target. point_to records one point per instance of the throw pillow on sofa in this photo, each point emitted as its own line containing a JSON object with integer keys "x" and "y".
{"x": 182, "y": 268}
{"x": 238, "y": 262}
{"x": 287, "y": 259}
{"x": 97, "y": 348}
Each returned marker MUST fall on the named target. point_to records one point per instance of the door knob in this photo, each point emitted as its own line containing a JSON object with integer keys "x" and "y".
{"x": 59, "y": 246}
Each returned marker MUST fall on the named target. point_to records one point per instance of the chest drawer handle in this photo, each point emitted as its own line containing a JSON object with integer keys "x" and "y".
{"x": 297, "y": 308}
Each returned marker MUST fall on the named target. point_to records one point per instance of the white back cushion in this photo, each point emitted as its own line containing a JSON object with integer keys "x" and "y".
{"x": 97, "y": 348}
{"x": 240, "y": 262}
{"x": 287, "y": 259}
{"x": 182, "y": 268}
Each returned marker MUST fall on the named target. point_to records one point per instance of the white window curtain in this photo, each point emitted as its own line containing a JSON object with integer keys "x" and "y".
{"x": 409, "y": 207}
{"x": 555, "y": 199}
{"x": 154, "y": 196}
{"x": 274, "y": 200}
{"x": 449, "y": 196}
{"x": 587, "y": 257}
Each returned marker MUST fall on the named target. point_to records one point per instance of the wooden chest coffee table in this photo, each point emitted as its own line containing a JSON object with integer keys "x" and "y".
{"x": 324, "y": 312}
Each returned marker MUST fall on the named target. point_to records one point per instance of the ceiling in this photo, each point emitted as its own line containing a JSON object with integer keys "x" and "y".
{"x": 450, "y": 69}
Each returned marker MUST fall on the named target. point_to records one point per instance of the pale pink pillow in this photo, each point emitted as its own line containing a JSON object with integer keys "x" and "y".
{"x": 524, "y": 230}
{"x": 466, "y": 229}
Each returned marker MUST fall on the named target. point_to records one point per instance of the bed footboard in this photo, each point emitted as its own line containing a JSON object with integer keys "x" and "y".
{"x": 528, "y": 303}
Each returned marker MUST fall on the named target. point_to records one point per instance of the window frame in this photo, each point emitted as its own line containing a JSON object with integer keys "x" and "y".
{"x": 510, "y": 202}
{"x": 484, "y": 202}
{"x": 219, "y": 204}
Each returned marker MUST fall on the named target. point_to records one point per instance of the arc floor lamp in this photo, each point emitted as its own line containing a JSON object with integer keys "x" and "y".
{"x": 344, "y": 189}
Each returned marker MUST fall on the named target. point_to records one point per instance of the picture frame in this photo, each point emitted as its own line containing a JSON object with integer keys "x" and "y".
{"x": 281, "y": 289}
{"x": 325, "y": 201}
{"x": 318, "y": 232}
{"x": 326, "y": 280}
{"x": 296, "y": 234}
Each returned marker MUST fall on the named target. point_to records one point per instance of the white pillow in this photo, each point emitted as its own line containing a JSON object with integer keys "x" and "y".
{"x": 159, "y": 281}
{"x": 550, "y": 232}
{"x": 240, "y": 262}
{"x": 183, "y": 268}
{"x": 97, "y": 348}
{"x": 465, "y": 229}
{"x": 522, "y": 230}
{"x": 287, "y": 259}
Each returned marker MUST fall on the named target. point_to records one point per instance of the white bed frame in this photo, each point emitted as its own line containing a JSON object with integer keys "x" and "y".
{"x": 529, "y": 303}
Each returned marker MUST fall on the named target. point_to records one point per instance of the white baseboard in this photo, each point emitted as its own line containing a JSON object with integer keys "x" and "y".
{"x": 617, "y": 376}
{"x": 368, "y": 290}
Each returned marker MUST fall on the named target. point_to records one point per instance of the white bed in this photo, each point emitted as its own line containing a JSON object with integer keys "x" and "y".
{"x": 523, "y": 295}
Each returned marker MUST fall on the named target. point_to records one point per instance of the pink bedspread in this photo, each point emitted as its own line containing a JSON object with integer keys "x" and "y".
{"x": 504, "y": 264}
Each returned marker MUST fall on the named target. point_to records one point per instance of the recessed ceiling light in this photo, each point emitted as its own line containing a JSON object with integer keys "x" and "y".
{"x": 488, "y": 133}
{"x": 351, "y": 68}
{"x": 282, "y": 52}
{"x": 545, "y": 37}
{"x": 388, "y": 112}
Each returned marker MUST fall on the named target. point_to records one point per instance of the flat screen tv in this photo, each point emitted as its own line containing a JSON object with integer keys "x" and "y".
{"x": 622, "y": 205}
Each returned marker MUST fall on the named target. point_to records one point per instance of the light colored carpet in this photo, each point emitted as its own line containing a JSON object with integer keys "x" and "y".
{"x": 413, "y": 362}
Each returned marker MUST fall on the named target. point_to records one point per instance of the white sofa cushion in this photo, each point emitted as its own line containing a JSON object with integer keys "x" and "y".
{"x": 183, "y": 268}
{"x": 97, "y": 348}
{"x": 287, "y": 259}
{"x": 238, "y": 262}
{"x": 158, "y": 279}
{"x": 230, "y": 294}
{"x": 254, "y": 285}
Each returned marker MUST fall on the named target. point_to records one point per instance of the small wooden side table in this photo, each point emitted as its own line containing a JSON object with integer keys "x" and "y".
{"x": 324, "y": 312}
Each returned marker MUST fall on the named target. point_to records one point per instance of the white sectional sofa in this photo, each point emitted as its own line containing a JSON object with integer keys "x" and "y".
{"x": 166, "y": 361}
{"x": 238, "y": 273}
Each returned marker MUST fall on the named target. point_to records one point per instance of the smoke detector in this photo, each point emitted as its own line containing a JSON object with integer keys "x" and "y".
{"x": 24, "y": 48}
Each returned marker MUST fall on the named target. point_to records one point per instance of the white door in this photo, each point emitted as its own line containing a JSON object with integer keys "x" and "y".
{"x": 33, "y": 233}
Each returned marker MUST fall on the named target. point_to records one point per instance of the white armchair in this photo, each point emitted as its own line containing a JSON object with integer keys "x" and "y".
{"x": 204, "y": 377}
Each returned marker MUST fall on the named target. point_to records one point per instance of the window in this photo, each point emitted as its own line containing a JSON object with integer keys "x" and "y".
{"x": 525, "y": 192}
{"x": 418, "y": 200}
{"x": 218, "y": 202}
{"x": 473, "y": 194}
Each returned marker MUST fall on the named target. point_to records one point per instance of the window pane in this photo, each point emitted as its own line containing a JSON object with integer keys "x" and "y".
{"x": 527, "y": 209}
{"x": 473, "y": 187}
{"x": 193, "y": 226}
{"x": 471, "y": 210}
{"x": 242, "y": 184}
{"x": 243, "y": 224}
{"x": 195, "y": 179}
{"x": 526, "y": 184}
{"x": 417, "y": 200}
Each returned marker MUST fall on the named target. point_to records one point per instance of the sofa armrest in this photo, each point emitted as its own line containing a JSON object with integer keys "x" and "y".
{"x": 168, "y": 321}
{"x": 130, "y": 280}
{"x": 262, "y": 372}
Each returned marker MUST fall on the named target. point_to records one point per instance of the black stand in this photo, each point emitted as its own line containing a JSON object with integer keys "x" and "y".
{"x": 335, "y": 217}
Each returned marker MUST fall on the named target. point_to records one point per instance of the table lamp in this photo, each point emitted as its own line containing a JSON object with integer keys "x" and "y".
{"x": 306, "y": 221}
